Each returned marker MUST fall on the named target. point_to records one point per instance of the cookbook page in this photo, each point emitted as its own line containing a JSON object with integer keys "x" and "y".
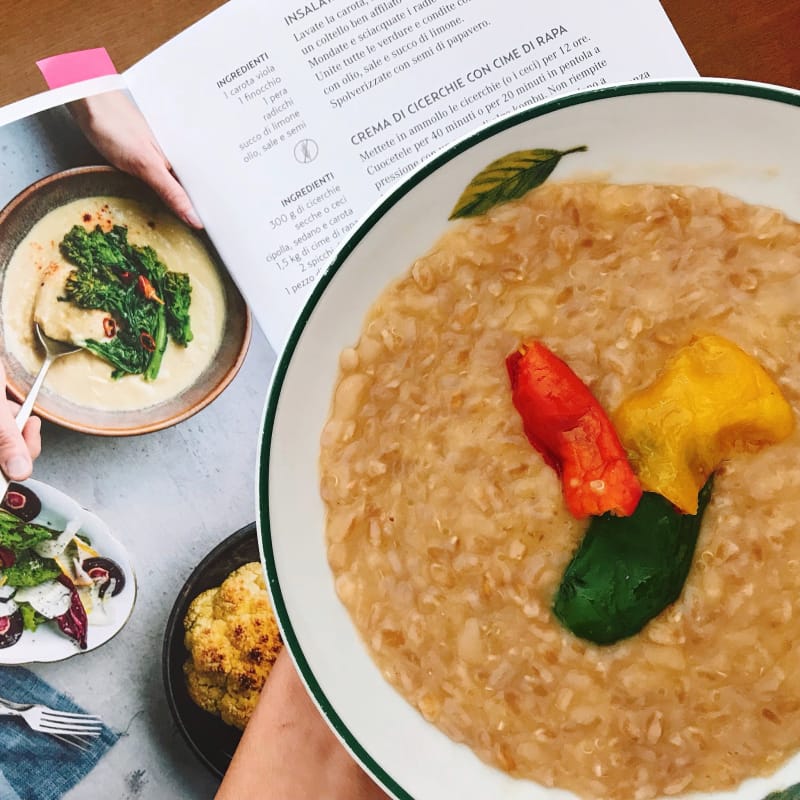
{"x": 286, "y": 121}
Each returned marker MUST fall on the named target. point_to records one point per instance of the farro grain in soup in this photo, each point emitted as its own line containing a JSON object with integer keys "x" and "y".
{"x": 448, "y": 535}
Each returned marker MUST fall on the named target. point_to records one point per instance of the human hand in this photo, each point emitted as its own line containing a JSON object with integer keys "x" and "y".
{"x": 288, "y": 752}
{"x": 117, "y": 129}
{"x": 17, "y": 450}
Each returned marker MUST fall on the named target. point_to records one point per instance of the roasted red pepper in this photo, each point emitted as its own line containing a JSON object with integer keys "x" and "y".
{"x": 569, "y": 428}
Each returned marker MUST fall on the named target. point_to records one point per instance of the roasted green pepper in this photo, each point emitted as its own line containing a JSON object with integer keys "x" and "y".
{"x": 627, "y": 570}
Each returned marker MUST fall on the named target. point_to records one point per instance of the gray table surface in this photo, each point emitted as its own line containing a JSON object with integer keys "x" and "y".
{"x": 169, "y": 497}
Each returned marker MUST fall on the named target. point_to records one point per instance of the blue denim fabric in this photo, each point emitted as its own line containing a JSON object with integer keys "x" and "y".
{"x": 35, "y": 766}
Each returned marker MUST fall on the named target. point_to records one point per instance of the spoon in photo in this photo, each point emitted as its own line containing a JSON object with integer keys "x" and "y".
{"x": 53, "y": 349}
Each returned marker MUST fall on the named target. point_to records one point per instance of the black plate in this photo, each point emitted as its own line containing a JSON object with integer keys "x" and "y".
{"x": 208, "y": 736}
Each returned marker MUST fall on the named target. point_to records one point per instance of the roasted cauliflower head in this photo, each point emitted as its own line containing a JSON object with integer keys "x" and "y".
{"x": 233, "y": 641}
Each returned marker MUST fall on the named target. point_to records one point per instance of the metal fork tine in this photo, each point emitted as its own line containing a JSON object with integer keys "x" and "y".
{"x": 74, "y": 729}
{"x": 91, "y": 734}
{"x": 65, "y": 715}
{"x": 92, "y": 723}
{"x": 86, "y": 741}
{"x": 78, "y": 744}
{"x": 70, "y": 729}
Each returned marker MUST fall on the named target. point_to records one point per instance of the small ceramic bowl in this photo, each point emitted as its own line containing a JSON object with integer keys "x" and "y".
{"x": 17, "y": 219}
{"x": 209, "y": 738}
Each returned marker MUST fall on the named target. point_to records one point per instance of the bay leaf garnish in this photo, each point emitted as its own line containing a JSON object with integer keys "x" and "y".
{"x": 508, "y": 178}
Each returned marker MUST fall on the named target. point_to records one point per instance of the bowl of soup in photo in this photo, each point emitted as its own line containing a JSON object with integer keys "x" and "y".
{"x": 94, "y": 258}
{"x": 436, "y": 543}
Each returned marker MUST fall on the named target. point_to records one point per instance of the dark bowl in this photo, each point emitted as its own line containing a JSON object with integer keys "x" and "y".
{"x": 211, "y": 740}
{"x": 17, "y": 219}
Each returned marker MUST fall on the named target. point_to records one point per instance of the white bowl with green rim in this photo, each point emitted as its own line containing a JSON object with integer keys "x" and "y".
{"x": 737, "y": 136}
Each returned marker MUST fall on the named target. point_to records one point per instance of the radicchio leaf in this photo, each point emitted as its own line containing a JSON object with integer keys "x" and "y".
{"x": 73, "y": 622}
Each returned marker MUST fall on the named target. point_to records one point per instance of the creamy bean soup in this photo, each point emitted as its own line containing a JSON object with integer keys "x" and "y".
{"x": 35, "y": 280}
{"x": 448, "y": 534}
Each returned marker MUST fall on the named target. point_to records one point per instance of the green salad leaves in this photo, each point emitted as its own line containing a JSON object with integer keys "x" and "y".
{"x": 30, "y": 570}
{"x": 146, "y": 302}
{"x": 27, "y": 567}
{"x": 18, "y": 535}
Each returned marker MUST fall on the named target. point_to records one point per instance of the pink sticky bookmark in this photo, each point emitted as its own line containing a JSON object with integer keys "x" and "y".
{"x": 80, "y": 65}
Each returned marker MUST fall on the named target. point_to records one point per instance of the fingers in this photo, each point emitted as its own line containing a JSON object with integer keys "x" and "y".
{"x": 116, "y": 127}
{"x": 15, "y": 459}
{"x": 175, "y": 197}
{"x": 17, "y": 450}
{"x": 32, "y": 436}
{"x": 154, "y": 171}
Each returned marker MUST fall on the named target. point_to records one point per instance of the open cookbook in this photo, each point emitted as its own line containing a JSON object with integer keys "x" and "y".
{"x": 287, "y": 121}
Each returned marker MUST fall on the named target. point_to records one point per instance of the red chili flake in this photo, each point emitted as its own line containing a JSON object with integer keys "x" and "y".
{"x": 147, "y": 290}
{"x": 109, "y": 327}
{"x": 87, "y": 217}
{"x": 146, "y": 340}
{"x": 127, "y": 277}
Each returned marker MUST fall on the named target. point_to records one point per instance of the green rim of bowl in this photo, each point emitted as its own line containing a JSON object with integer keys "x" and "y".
{"x": 702, "y": 86}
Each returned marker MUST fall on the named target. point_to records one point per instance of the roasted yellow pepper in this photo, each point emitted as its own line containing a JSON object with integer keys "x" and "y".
{"x": 711, "y": 401}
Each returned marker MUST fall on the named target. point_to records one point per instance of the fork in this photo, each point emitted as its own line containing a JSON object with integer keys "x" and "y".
{"x": 66, "y": 727}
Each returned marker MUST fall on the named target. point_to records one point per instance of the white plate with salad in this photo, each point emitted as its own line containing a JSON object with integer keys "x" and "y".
{"x": 66, "y": 584}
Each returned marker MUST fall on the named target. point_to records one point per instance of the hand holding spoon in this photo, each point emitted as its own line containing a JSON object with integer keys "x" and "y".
{"x": 53, "y": 349}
